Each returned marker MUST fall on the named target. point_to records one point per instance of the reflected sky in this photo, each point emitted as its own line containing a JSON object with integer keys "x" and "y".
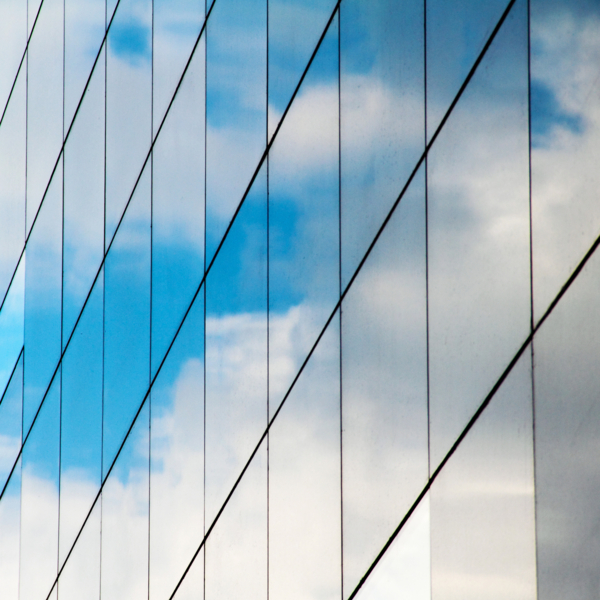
{"x": 156, "y": 262}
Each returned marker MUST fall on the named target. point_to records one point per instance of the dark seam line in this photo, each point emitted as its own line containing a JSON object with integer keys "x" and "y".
{"x": 341, "y": 375}
{"x": 61, "y": 152}
{"x": 62, "y": 304}
{"x": 151, "y": 295}
{"x": 268, "y": 302}
{"x": 204, "y": 307}
{"x": 11, "y": 375}
{"x": 22, "y": 60}
{"x": 533, "y": 406}
{"x": 101, "y": 509}
{"x": 426, "y": 177}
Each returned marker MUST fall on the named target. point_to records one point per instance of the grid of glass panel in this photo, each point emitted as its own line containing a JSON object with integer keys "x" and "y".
{"x": 299, "y": 299}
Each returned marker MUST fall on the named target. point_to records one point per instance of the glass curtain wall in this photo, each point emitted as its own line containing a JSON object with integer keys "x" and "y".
{"x": 299, "y": 299}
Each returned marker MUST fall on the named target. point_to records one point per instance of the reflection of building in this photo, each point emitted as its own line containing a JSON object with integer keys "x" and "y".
{"x": 299, "y": 299}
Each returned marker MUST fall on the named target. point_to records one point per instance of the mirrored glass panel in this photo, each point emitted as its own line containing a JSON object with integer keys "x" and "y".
{"x": 381, "y": 114}
{"x": 84, "y": 34}
{"x": 456, "y": 34}
{"x": 128, "y": 104}
{"x": 44, "y": 102}
{"x": 304, "y": 212}
{"x": 83, "y": 225}
{"x": 39, "y": 500}
{"x": 178, "y": 209}
{"x": 12, "y": 183}
{"x": 238, "y": 543}
{"x": 127, "y": 322}
{"x": 43, "y": 291}
{"x": 81, "y": 575}
{"x": 478, "y": 236}
{"x": 125, "y": 506}
{"x": 482, "y": 503}
{"x": 236, "y": 348}
{"x": 177, "y": 457}
{"x": 295, "y": 27}
{"x": 304, "y": 482}
{"x": 11, "y": 416}
{"x": 12, "y": 322}
{"x": 384, "y": 386}
{"x": 176, "y": 29}
{"x": 13, "y": 38}
{"x": 567, "y": 425}
{"x": 565, "y": 103}
{"x": 81, "y": 421}
{"x": 236, "y": 51}
{"x": 10, "y": 532}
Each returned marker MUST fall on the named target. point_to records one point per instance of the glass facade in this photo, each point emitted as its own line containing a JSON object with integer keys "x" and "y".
{"x": 299, "y": 299}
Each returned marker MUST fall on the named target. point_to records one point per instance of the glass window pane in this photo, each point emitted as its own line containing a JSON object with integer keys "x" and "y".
{"x": 43, "y": 285}
{"x": 11, "y": 415}
{"x": 304, "y": 212}
{"x": 384, "y": 386}
{"x": 128, "y": 104}
{"x": 83, "y": 226}
{"x": 478, "y": 235}
{"x": 84, "y": 33}
{"x": 295, "y": 27}
{"x": 125, "y": 505}
{"x": 304, "y": 482}
{"x": 177, "y": 457}
{"x": 176, "y": 26}
{"x": 238, "y": 543}
{"x": 565, "y": 99}
{"x": 12, "y": 183}
{"x": 10, "y": 530}
{"x": 482, "y": 503}
{"x": 382, "y": 112}
{"x": 456, "y": 34}
{"x": 39, "y": 500}
{"x": 81, "y": 575}
{"x": 81, "y": 421}
{"x": 13, "y": 38}
{"x": 567, "y": 426}
{"x": 236, "y": 51}
{"x": 236, "y": 348}
{"x": 12, "y": 325}
{"x": 44, "y": 102}
{"x": 127, "y": 321}
{"x": 178, "y": 209}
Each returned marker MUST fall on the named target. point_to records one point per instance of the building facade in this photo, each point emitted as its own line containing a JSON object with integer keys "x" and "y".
{"x": 299, "y": 299}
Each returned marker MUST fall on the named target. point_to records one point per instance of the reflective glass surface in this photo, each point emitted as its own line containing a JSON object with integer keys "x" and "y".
{"x": 482, "y": 504}
{"x": 304, "y": 208}
{"x": 478, "y": 236}
{"x": 564, "y": 140}
{"x": 567, "y": 424}
{"x": 177, "y": 457}
{"x": 298, "y": 299}
{"x": 384, "y": 387}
